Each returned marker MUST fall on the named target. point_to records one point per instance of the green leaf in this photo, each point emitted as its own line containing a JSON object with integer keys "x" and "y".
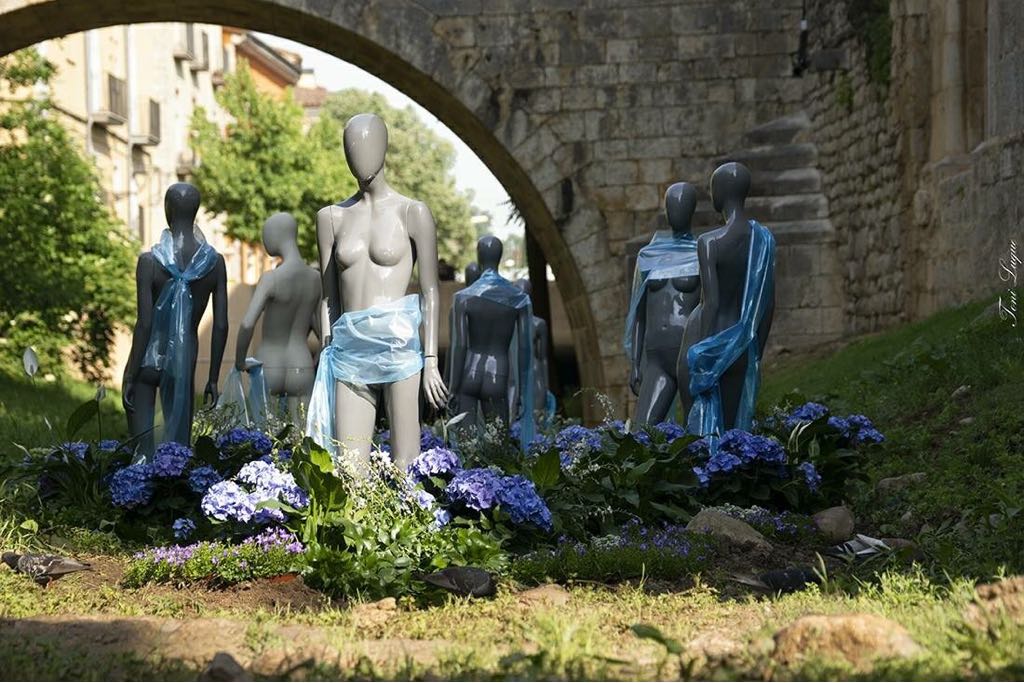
{"x": 546, "y": 470}
{"x": 83, "y": 413}
{"x": 30, "y": 525}
{"x": 649, "y": 632}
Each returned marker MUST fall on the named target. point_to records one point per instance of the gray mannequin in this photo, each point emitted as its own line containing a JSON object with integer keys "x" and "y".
{"x": 181, "y": 241}
{"x": 368, "y": 245}
{"x": 482, "y": 335}
{"x": 724, "y": 254}
{"x": 539, "y": 344}
{"x": 664, "y": 310}
{"x": 471, "y": 274}
{"x": 288, "y": 298}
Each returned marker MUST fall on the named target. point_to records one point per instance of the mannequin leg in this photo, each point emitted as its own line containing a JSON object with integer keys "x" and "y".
{"x": 731, "y": 387}
{"x": 470, "y": 426}
{"x": 402, "y": 403}
{"x": 657, "y": 392}
{"x": 355, "y": 406}
{"x": 140, "y": 420}
{"x": 494, "y": 398}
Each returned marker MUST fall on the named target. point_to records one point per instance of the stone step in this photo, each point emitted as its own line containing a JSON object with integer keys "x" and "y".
{"x": 785, "y": 208}
{"x": 802, "y": 232}
{"x": 780, "y": 131}
{"x": 790, "y": 181}
{"x": 776, "y": 157}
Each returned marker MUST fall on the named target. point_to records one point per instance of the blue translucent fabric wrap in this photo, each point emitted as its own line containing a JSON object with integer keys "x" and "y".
{"x": 172, "y": 346}
{"x": 665, "y": 256}
{"x": 377, "y": 345}
{"x": 711, "y": 357}
{"x": 252, "y": 404}
{"x": 494, "y": 287}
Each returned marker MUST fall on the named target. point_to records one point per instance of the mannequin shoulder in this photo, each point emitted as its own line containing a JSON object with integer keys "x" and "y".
{"x": 418, "y": 213}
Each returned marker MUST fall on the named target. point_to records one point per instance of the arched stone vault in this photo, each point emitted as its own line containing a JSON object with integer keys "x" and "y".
{"x": 585, "y": 110}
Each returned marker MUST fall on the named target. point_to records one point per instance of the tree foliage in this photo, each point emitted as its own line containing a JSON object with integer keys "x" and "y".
{"x": 265, "y": 162}
{"x": 67, "y": 262}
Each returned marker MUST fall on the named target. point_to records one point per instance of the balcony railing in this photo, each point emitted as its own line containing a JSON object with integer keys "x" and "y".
{"x": 152, "y": 134}
{"x": 116, "y": 110}
{"x": 202, "y": 61}
{"x": 186, "y": 49}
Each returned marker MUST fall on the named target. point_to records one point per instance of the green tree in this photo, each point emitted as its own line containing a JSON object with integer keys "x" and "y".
{"x": 67, "y": 265}
{"x": 264, "y": 162}
{"x": 419, "y": 165}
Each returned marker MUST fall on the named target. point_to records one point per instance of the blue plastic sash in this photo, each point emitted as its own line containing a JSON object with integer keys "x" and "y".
{"x": 377, "y": 345}
{"x": 494, "y": 287}
{"x": 665, "y": 256}
{"x": 711, "y": 357}
{"x": 172, "y": 345}
{"x": 251, "y": 405}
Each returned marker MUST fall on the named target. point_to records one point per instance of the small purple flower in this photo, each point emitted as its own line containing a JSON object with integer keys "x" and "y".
{"x": 183, "y": 528}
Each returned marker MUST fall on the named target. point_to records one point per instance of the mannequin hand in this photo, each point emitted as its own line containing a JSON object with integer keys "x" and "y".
{"x": 210, "y": 394}
{"x": 433, "y": 386}
{"x": 635, "y": 380}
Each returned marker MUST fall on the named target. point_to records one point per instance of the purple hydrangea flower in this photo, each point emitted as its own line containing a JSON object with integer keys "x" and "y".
{"x": 75, "y": 448}
{"x": 183, "y": 528}
{"x": 202, "y": 478}
{"x": 738, "y": 449}
{"x": 864, "y": 431}
{"x": 108, "y": 445}
{"x": 227, "y": 501}
{"x": 811, "y": 476}
{"x": 424, "y": 499}
{"x": 519, "y": 498}
{"x": 429, "y": 440}
{"x": 576, "y": 435}
{"x": 441, "y": 519}
{"x": 132, "y": 486}
{"x": 270, "y": 483}
{"x": 436, "y": 462}
{"x": 808, "y": 412}
{"x": 171, "y": 459}
{"x": 238, "y": 437}
{"x": 476, "y": 489}
{"x": 671, "y": 430}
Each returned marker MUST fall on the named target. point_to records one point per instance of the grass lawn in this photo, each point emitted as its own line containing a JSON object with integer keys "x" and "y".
{"x": 945, "y": 392}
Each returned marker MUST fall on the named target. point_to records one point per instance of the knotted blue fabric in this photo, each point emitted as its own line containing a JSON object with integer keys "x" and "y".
{"x": 665, "y": 256}
{"x": 711, "y": 357}
{"x": 494, "y": 287}
{"x": 172, "y": 344}
{"x": 251, "y": 405}
{"x": 377, "y": 345}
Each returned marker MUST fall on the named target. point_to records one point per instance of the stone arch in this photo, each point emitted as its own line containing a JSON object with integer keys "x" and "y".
{"x": 409, "y": 45}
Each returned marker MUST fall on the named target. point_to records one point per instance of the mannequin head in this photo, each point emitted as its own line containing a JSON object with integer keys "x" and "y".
{"x": 524, "y": 284}
{"x": 488, "y": 252}
{"x": 730, "y": 184}
{"x": 181, "y": 204}
{"x": 680, "y": 203}
{"x": 472, "y": 273}
{"x": 280, "y": 232}
{"x": 366, "y": 142}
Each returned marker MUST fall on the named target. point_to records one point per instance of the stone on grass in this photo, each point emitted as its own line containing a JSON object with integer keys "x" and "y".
{"x": 997, "y": 602}
{"x": 856, "y": 639}
{"x": 224, "y": 667}
{"x": 735, "y": 531}
{"x": 550, "y": 594}
{"x": 891, "y": 485}
{"x": 835, "y": 524}
{"x": 712, "y": 650}
{"x": 960, "y": 392}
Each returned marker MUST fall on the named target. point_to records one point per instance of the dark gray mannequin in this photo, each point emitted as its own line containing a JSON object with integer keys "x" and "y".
{"x": 724, "y": 254}
{"x": 139, "y": 384}
{"x": 540, "y": 354}
{"x": 472, "y": 272}
{"x": 481, "y": 365}
{"x": 288, "y": 298}
{"x": 664, "y": 311}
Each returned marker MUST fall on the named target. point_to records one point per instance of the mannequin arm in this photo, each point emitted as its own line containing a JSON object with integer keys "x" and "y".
{"x": 143, "y": 326}
{"x": 423, "y": 233}
{"x": 330, "y": 307}
{"x": 766, "y": 321}
{"x": 639, "y": 335}
{"x": 457, "y": 347}
{"x": 219, "y": 337}
{"x": 252, "y": 315}
{"x": 708, "y": 287}
{"x": 524, "y": 326}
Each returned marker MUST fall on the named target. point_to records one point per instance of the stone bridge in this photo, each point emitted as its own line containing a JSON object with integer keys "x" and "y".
{"x": 586, "y": 110}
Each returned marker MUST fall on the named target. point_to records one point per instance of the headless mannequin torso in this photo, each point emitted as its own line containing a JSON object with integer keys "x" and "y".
{"x": 367, "y": 246}
{"x": 724, "y": 254}
{"x": 140, "y": 384}
{"x": 663, "y": 315}
{"x": 288, "y": 298}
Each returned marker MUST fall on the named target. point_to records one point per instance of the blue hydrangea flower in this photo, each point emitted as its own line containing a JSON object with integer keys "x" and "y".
{"x": 284, "y": 455}
{"x": 202, "y": 478}
{"x": 260, "y": 442}
{"x": 75, "y": 448}
{"x": 808, "y": 412}
{"x": 540, "y": 444}
{"x": 864, "y": 431}
{"x": 183, "y": 528}
{"x": 435, "y": 462}
{"x": 108, "y": 445}
{"x": 384, "y": 441}
{"x": 702, "y": 476}
{"x": 671, "y": 430}
{"x": 476, "y": 488}
{"x": 840, "y": 424}
{"x": 441, "y": 518}
{"x": 132, "y": 486}
{"x": 270, "y": 483}
{"x": 429, "y": 440}
{"x": 739, "y": 449}
{"x": 424, "y": 499}
{"x": 227, "y": 501}
{"x": 811, "y": 476}
{"x": 576, "y": 435}
{"x": 171, "y": 459}
{"x": 519, "y": 498}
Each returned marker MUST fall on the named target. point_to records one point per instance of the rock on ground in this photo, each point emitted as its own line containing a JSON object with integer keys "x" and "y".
{"x": 549, "y": 594}
{"x": 891, "y": 485}
{"x": 857, "y": 639}
{"x": 835, "y": 524}
{"x": 223, "y": 667}
{"x": 735, "y": 531}
{"x": 994, "y": 602}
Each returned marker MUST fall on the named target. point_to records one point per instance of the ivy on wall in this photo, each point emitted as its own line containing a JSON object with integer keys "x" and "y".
{"x": 873, "y": 25}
